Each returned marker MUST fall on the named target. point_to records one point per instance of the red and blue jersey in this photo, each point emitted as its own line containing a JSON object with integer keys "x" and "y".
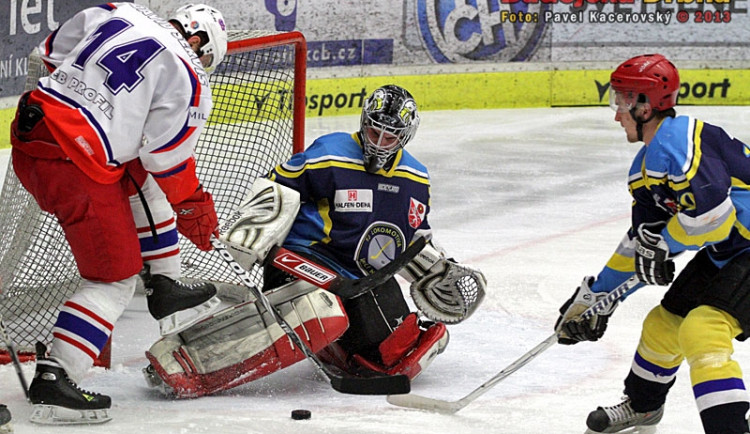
{"x": 125, "y": 84}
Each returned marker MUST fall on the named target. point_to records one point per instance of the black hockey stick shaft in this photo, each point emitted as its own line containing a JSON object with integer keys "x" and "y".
{"x": 449, "y": 407}
{"x": 322, "y": 277}
{"x": 340, "y": 381}
{"x": 14, "y": 357}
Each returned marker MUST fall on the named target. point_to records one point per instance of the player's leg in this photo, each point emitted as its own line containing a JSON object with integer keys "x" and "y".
{"x": 707, "y": 340}
{"x": 706, "y": 337}
{"x": 175, "y": 304}
{"x": 99, "y": 227}
{"x": 658, "y": 356}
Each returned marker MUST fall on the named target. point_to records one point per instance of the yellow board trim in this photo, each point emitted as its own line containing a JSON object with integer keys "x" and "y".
{"x": 548, "y": 87}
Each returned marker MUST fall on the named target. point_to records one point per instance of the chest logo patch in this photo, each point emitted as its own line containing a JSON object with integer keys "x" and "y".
{"x": 379, "y": 245}
{"x": 352, "y": 200}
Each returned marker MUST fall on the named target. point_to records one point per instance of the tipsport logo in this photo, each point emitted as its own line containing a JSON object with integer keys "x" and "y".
{"x": 456, "y": 31}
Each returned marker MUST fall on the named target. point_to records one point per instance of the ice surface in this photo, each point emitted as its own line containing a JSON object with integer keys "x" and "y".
{"x": 537, "y": 199}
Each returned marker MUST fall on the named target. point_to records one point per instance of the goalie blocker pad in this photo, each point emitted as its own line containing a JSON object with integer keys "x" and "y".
{"x": 262, "y": 221}
{"x": 239, "y": 344}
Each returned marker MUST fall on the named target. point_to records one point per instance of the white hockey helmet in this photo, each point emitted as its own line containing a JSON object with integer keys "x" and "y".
{"x": 196, "y": 18}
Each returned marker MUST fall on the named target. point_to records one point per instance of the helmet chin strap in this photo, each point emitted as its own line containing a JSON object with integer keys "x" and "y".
{"x": 639, "y": 122}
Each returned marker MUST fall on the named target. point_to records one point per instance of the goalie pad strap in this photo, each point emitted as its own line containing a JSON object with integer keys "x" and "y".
{"x": 262, "y": 221}
{"x": 240, "y": 344}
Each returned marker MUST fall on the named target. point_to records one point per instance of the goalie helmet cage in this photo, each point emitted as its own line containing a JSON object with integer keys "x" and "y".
{"x": 257, "y": 122}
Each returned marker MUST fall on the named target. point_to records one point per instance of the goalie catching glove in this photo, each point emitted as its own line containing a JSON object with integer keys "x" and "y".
{"x": 442, "y": 289}
{"x": 570, "y": 328}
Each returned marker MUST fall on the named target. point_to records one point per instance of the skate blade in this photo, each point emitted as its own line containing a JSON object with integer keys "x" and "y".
{"x": 185, "y": 318}
{"x": 154, "y": 381}
{"x": 56, "y": 415}
{"x": 644, "y": 429}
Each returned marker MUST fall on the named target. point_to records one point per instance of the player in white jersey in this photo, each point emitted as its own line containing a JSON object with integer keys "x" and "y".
{"x": 105, "y": 143}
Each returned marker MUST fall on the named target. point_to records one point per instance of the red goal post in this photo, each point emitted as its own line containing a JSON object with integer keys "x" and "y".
{"x": 257, "y": 122}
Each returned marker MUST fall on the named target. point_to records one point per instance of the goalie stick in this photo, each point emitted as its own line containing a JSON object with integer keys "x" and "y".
{"x": 450, "y": 407}
{"x": 377, "y": 384}
{"x": 346, "y": 288}
{"x": 14, "y": 357}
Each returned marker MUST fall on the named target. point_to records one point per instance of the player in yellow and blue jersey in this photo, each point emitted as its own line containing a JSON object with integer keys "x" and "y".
{"x": 690, "y": 184}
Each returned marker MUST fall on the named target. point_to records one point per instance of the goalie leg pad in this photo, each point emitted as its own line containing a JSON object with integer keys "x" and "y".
{"x": 409, "y": 349}
{"x": 240, "y": 344}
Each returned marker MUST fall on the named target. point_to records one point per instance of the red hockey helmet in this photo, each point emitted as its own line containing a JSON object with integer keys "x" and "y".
{"x": 651, "y": 75}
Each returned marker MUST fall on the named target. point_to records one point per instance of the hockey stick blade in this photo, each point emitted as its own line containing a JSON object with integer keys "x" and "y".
{"x": 449, "y": 407}
{"x": 377, "y": 384}
{"x": 346, "y": 288}
{"x": 373, "y": 383}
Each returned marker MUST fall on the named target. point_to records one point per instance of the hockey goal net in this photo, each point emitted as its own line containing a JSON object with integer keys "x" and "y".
{"x": 257, "y": 122}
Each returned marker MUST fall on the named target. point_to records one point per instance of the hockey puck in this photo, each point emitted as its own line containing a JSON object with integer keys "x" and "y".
{"x": 301, "y": 414}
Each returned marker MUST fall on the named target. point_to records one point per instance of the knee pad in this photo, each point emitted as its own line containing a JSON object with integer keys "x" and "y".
{"x": 706, "y": 338}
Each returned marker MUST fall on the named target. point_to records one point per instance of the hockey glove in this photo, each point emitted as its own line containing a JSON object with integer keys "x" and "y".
{"x": 196, "y": 218}
{"x": 652, "y": 263}
{"x": 570, "y": 328}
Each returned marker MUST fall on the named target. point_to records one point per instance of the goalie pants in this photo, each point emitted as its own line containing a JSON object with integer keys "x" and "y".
{"x": 372, "y": 316}
{"x": 705, "y": 309}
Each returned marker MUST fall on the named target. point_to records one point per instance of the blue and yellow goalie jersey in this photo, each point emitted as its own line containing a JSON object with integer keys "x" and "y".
{"x": 354, "y": 221}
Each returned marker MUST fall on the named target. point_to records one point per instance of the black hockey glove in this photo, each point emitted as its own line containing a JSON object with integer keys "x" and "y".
{"x": 652, "y": 262}
{"x": 570, "y": 328}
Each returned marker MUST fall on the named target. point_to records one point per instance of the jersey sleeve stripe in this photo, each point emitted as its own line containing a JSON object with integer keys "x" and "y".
{"x": 169, "y": 172}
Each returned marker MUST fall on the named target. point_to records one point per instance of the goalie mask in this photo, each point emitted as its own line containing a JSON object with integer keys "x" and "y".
{"x": 389, "y": 120}
{"x": 208, "y": 24}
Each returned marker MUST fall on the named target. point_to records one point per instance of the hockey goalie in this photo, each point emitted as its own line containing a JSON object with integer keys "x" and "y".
{"x": 351, "y": 203}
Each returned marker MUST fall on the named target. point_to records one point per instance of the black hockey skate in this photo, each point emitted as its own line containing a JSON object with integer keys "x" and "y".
{"x": 177, "y": 305}
{"x": 5, "y": 425}
{"x": 622, "y": 416}
{"x": 58, "y": 400}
